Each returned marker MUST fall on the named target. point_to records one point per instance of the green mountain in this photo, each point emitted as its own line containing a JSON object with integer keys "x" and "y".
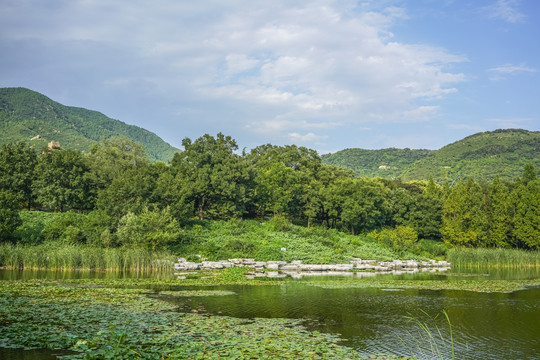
{"x": 481, "y": 156}
{"x": 30, "y": 116}
{"x": 385, "y": 163}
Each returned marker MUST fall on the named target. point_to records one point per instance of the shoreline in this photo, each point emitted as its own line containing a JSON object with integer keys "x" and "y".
{"x": 298, "y": 266}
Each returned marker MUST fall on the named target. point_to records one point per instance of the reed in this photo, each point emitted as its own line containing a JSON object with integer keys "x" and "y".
{"x": 429, "y": 339}
{"x": 493, "y": 258}
{"x": 71, "y": 257}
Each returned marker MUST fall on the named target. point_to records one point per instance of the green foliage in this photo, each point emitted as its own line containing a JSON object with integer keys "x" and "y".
{"x": 107, "y": 323}
{"x": 384, "y": 163}
{"x": 428, "y": 332}
{"x": 9, "y": 214}
{"x": 526, "y": 220}
{"x": 64, "y": 229}
{"x": 279, "y": 223}
{"x": 17, "y": 164}
{"x": 33, "y": 223}
{"x": 61, "y": 181}
{"x": 262, "y": 241}
{"x": 152, "y": 230}
{"x": 482, "y": 156}
{"x": 486, "y": 258}
{"x": 112, "y": 157}
{"x": 130, "y": 191}
{"x": 213, "y": 177}
{"x": 25, "y": 114}
{"x": 401, "y": 239}
{"x": 70, "y": 257}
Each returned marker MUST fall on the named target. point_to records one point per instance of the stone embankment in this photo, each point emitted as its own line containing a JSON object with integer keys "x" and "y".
{"x": 298, "y": 266}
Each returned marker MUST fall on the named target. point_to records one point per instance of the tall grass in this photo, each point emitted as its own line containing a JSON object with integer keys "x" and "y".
{"x": 495, "y": 258}
{"x": 428, "y": 337}
{"x": 71, "y": 257}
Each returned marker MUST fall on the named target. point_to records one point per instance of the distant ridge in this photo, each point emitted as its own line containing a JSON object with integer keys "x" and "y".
{"x": 30, "y": 116}
{"x": 481, "y": 156}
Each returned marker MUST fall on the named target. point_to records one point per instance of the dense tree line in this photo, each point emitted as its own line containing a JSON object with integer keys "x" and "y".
{"x": 128, "y": 200}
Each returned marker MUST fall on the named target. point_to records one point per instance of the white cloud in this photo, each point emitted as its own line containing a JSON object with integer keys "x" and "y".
{"x": 468, "y": 127}
{"x": 506, "y": 10}
{"x": 306, "y": 138}
{"x": 283, "y": 68}
{"x": 511, "y": 122}
{"x": 512, "y": 69}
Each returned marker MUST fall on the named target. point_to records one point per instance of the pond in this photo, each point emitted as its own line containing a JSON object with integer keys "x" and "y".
{"x": 385, "y": 320}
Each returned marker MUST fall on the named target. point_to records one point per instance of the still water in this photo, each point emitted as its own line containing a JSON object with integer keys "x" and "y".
{"x": 483, "y": 325}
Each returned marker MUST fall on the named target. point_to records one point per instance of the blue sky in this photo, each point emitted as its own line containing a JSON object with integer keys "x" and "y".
{"x": 324, "y": 74}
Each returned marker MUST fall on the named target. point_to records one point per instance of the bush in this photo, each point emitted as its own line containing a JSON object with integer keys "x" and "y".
{"x": 151, "y": 229}
{"x": 279, "y": 223}
{"x": 65, "y": 228}
{"x": 401, "y": 239}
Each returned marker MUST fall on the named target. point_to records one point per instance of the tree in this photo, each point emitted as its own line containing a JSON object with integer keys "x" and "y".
{"x": 526, "y": 220}
{"x": 464, "y": 216}
{"x": 17, "y": 164}
{"x": 213, "y": 176}
{"x": 62, "y": 182}
{"x": 130, "y": 191}
{"x": 9, "y": 214}
{"x": 498, "y": 214}
{"x": 112, "y": 157}
{"x": 529, "y": 173}
{"x": 418, "y": 206}
{"x": 286, "y": 180}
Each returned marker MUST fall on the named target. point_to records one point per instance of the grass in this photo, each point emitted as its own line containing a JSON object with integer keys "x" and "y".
{"x": 71, "y": 257}
{"x": 428, "y": 332}
{"x": 467, "y": 258}
{"x": 219, "y": 240}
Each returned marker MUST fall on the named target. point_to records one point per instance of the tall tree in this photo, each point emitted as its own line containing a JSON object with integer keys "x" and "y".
{"x": 464, "y": 216}
{"x": 213, "y": 176}
{"x": 17, "y": 164}
{"x": 112, "y": 157}
{"x": 9, "y": 214}
{"x": 498, "y": 214}
{"x": 62, "y": 182}
{"x": 286, "y": 179}
{"x": 526, "y": 220}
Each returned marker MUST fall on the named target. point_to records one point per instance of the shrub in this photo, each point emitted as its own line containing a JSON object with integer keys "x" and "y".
{"x": 279, "y": 223}
{"x": 65, "y": 228}
{"x": 401, "y": 239}
{"x": 152, "y": 229}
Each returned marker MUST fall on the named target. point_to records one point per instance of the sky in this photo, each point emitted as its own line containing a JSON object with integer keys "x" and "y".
{"x": 325, "y": 74}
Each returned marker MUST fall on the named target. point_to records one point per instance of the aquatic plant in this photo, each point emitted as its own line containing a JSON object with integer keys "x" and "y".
{"x": 485, "y": 258}
{"x": 69, "y": 257}
{"x": 107, "y": 323}
{"x": 429, "y": 334}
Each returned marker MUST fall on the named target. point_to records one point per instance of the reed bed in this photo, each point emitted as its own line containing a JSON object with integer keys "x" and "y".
{"x": 71, "y": 257}
{"x": 493, "y": 258}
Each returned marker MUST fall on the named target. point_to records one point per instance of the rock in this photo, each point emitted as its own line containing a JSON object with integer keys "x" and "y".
{"x": 288, "y": 267}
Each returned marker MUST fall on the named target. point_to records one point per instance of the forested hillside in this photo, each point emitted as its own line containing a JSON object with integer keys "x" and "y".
{"x": 385, "y": 163}
{"x": 481, "y": 156}
{"x": 32, "y": 117}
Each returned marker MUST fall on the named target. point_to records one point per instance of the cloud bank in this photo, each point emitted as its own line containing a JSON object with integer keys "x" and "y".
{"x": 278, "y": 72}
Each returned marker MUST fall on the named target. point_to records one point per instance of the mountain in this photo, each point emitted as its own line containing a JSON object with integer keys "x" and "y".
{"x": 30, "y": 116}
{"x": 385, "y": 163}
{"x": 481, "y": 156}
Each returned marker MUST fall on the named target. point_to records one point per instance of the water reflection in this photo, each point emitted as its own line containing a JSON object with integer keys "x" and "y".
{"x": 485, "y": 325}
{"x": 31, "y": 274}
